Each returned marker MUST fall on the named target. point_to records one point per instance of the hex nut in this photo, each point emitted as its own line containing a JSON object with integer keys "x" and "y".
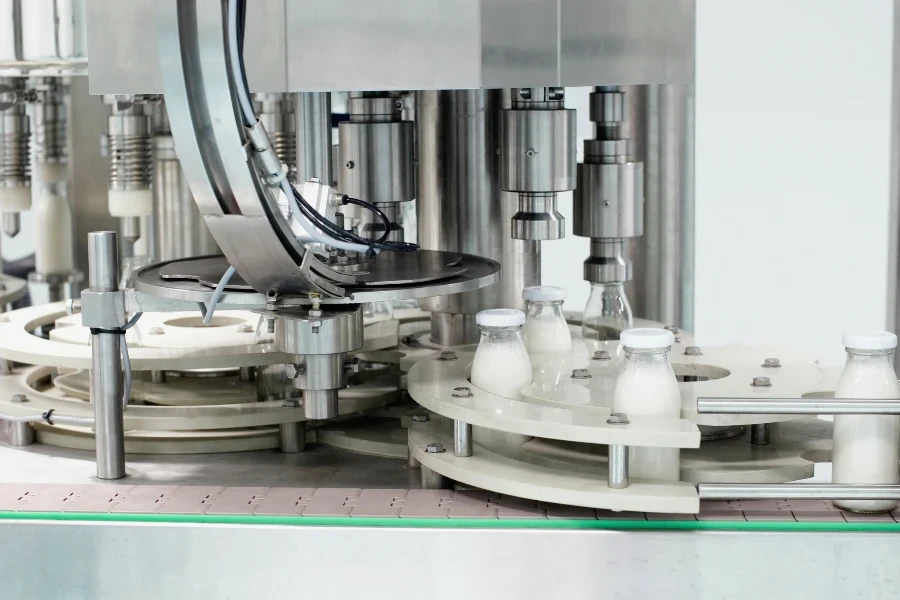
{"x": 772, "y": 363}
{"x": 581, "y": 374}
{"x": 461, "y": 392}
{"x": 601, "y": 355}
{"x": 421, "y": 418}
{"x": 761, "y": 382}
{"x": 618, "y": 419}
{"x": 693, "y": 351}
{"x": 156, "y": 331}
{"x": 447, "y": 355}
{"x": 434, "y": 448}
{"x": 19, "y": 398}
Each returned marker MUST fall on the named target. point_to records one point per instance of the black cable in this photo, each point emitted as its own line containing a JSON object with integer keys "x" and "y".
{"x": 371, "y": 207}
{"x": 308, "y": 211}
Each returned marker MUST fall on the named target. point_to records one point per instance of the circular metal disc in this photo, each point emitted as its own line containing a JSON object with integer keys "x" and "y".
{"x": 392, "y": 276}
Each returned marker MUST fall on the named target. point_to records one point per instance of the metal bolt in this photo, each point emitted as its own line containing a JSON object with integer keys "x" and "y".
{"x": 246, "y": 328}
{"x": 556, "y": 93}
{"x": 693, "y": 351}
{"x": 156, "y": 331}
{"x": 618, "y": 419}
{"x": 602, "y": 355}
{"x": 352, "y": 365}
{"x": 447, "y": 355}
{"x": 73, "y": 306}
{"x": 295, "y": 370}
{"x": 19, "y": 398}
{"x": 525, "y": 93}
{"x": 672, "y": 328}
{"x": 349, "y": 164}
{"x": 761, "y": 382}
{"x": 398, "y": 105}
{"x": 291, "y": 403}
{"x": 772, "y": 363}
{"x": 461, "y": 392}
{"x": 529, "y": 153}
{"x": 581, "y": 374}
{"x": 421, "y": 418}
{"x": 434, "y": 448}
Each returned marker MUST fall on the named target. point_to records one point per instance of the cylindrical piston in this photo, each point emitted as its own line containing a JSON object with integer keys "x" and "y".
{"x": 130, "y": 160}
{"x": 15, "y": 162}
{"x": 609, "y": 200}
{"x": 537, "y": 160}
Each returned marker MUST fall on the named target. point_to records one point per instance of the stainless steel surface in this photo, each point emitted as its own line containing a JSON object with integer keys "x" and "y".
{"x": 247, "y": 374}
{"x": 88, "y": 168}
{"x": 292, "y": 437}
{"x": 130, "y": 228}
{"x": 761, "y": 434}
{"x": 273, "y": 383}
{"x": 129, "y": 146}
{"x": 15, "y": 133}
{"x": 179, "y": 228}
{"x": 797, "y": 406}
{"x": 376, "y": 160}
{"x": 12, "y": 224}
{"x": 314, "y": 137}
{"x": 290, "y": 46}
{"x": 320, "y": 404}
{"x": 617, "y": 475}
{"x": 319, "y": 372}
{"x": 893, "y": 279}
{"x": 537, "y": 159}
{"x": 20, "y": 434}
{"x": 239, "y": 208}
{"x": 475, "y": 273}
{"x": 609, "y": 200}
{"x": 797, "y": 491}
{"x": 336, "y": 330}
{"x": 607, "y": 262}
{"x": 462, "y": 439}
{"x": 453, "y": 329}
{"x": 106, "y": 371}
{"x": 663, "y": 289}
{"x": 462, "y": 208}
{"x": 49, "y": 120}
{"x": 277, "y": 114}
{"x": 158, "y": 376}
{"x": 431, "y": 480}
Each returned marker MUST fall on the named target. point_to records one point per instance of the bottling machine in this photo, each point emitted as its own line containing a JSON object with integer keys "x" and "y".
{"x": 263, "y": 230}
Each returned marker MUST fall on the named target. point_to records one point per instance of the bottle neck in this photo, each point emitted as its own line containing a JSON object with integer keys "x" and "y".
{"x": 500, "y": 334}
{"x": 647, "y": 355}
{"x": 856, "y": 356}
{"x": 543, "y": 309}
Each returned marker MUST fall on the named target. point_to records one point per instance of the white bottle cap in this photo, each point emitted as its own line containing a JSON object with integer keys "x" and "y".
{"x": 500, "y": 317}
{"x": 646, "y": 337}
{"x": 870, "y": 340}
{"x": 544, "y": 293}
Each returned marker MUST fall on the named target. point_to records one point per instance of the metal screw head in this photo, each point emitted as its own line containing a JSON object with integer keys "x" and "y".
{"x": 295, "y": 370}
{"x": 772, "y": 363}
{"x": 693, "y": 351}
{"x": 618, "y": 419}
{"x": 529, "y": 153}
{"x": 270, "y": 325}
{"x": 19, "y": 398}
{"x": 246, "y": 328}
{"x": 581, "y": 374}
{"x": 672, "y": 328}
{"x": 434, "y": 448}
{"x": 761, "y": 382}
{"x": 421, "y": 418}
{"x": 601, "y": 355}
{"x": 398, "y": 104}
{"x": 461, "y": 392}
{"x": 525, "y": 93}
{"x": 156, "y": 331}
{"x": 291, "y": 403}
{"x": 349, "y": 164}
{"x": 73, "y": 306}
{"x": 447, "y": 355}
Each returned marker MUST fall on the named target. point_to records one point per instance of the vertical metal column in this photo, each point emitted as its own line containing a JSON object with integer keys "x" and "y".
{"x": 314, "y": 137}
{"x": 663, "y": 285}
{"x": 462, "y": 439}
{"x": 461, "y": 207}
{"x": 106, "y": 369}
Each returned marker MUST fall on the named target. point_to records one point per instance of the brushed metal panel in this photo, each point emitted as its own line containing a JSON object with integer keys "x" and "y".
{"x": 520, "y": 43}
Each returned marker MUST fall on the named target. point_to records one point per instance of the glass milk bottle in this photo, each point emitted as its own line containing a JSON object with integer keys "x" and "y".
{"x": 501, "y": 365}
{"x": 647, "y": 387}
{"x": 867, "y": 447}
{"x": 607, "y": 313}
{"x": 546, "y": 330}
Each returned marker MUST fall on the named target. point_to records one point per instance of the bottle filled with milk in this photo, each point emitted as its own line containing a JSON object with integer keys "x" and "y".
{"x": 647, "y": 387}
{"x": 867, "y": 447}
{"x": 501, "y": 365}
{"x": 546, "y": 330}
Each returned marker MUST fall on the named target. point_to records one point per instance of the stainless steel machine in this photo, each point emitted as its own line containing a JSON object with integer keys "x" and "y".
{"x": 289, "y": 213}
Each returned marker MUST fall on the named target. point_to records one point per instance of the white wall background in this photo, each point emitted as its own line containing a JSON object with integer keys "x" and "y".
{"x": 792, "y": 173}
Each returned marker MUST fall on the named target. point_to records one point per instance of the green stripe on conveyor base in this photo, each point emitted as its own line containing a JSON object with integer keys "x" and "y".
{"x": 430, "y": 523}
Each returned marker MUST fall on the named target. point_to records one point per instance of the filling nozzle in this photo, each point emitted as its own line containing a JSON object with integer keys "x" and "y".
{"x": 12, "y": 224}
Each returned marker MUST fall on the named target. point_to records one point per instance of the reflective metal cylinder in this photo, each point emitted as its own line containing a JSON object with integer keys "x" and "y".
{"x": 617, "y": 476}
{"x": 461, "y": 207}
{"x": 313, "y": 114}
{"x": 292, "y": 437}
{"x": 106, "y": 369}
{"x": 462, "y": 439}
{"x": 20, "y": 434}
{"x": 609, "y": 200}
